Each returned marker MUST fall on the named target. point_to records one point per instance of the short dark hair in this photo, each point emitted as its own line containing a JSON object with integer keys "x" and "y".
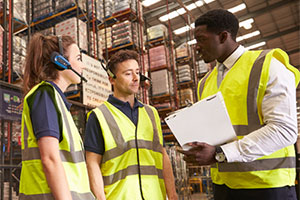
{"x": 219, "y": 20}
{"x": 120, "y": 57}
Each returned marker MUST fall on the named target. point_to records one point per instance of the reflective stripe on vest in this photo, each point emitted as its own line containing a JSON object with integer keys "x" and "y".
{"x": 275, "y": 170}
{"x": 75, "y": 196}
{"x": 119, "y": 162}
{"x": 33, "y": 184}
{"x": 119, "y": 150}
{"x": 33, "y": 153}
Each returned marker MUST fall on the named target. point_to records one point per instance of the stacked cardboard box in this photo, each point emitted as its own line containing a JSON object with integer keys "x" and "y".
{"x": 202, "y": 67}
{"x": 146, "y": 63}
{"x": 182, "y": 51}
{"x": 78, "y": 115}
{"x": 159, "y": 56}
{"x": 109, "y": 8}
{"x": 124, "y": 33}
{"x": 98, "y": 7}
{"x": 42, "y": 8}
{"x": 184, "y": 73}
{"x": 108, "y": 38}
{"x": 161, "y": 82}
{"x": 162, "y": 105}
{"x": 48, "y": 31}
{"x": 179, "y": 166}
{"x": 186, "y": 95}
{"x": 16, "y": 130}
{"x": 19, "y": 9}
{"x": 63, "y": 4}
{"x": 69, "y": 27}
{"x": 93, "y": 44}
{"x": 19, "y": 53}
{"x": 124, "y": 4}
{"x": 6, "y": 192}
{"x": 157, "y": 31}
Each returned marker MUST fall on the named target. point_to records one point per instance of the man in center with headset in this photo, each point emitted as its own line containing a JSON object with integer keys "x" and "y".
{"x": 124, "y": 143}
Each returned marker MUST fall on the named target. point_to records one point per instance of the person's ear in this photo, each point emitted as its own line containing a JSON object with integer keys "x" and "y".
{"x": 223, "y": 36}
{"x": 111, "y": 80}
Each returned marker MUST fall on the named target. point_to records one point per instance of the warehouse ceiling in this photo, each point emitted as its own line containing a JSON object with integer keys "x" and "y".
{"x": 276, "y": 20}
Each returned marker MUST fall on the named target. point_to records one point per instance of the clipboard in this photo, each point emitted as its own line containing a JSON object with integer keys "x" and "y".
{"x": 205, "y": 121}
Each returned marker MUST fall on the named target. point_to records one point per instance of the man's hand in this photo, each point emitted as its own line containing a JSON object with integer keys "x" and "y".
{"x": 200, "y": 154}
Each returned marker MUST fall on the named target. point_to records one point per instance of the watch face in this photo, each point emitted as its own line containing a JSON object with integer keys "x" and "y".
{"x": 220, "y": 157}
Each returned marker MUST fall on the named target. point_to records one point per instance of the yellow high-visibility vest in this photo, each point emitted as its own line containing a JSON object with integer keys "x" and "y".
{"x": 33, "y": 183}
{"x": 243, "y": 89}
{"x": 120, "y": 167}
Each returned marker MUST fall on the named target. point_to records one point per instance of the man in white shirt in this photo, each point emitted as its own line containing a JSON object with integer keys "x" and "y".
{"x": 259, "y": 90}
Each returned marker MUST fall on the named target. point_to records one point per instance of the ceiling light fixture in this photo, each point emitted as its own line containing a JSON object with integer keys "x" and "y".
{"x": 199, "y": 3}
{"x": 171, "y": 15}
{"x": 191, "y": 6}
{"x": 247, "y": 24}
{"x": 249, "y": 35}
{"x": 182, "y": 11}
{"x": 237, "y": 8}
{"x": 184, "y": 29}
{"x": 256, "y": 45}
{"x": 147, "y": 3}
{"x": 191, "y": 42}
{"x": 208, "y": 1}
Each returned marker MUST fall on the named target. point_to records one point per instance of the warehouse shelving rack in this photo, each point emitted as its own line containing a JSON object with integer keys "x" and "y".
{"x": 172, "y": 95}
{"x": 162, "y": 98}
{"x": 10, "y": 155}
{"x": 119, "y": 17}
{"x": 186, "y": 84}
{"x": 132, "y": 15}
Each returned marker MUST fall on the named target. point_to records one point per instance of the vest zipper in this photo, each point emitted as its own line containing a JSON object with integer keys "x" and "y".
{"x": 138, "y": 162}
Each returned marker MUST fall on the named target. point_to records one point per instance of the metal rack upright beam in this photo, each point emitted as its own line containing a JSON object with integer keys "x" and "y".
{"x": 172, "y": 58}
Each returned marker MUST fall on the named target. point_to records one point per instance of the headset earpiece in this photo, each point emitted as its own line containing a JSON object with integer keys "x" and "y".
{"x": 112, "y": 75}
{"x": 109, "y": 72}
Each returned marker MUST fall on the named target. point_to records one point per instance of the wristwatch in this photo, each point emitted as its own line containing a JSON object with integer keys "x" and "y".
{"x": 220, "y": 156}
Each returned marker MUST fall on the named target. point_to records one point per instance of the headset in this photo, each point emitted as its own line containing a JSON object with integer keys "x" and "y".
{"x": 61, "y": 63}
{"x": 112, "y": 75}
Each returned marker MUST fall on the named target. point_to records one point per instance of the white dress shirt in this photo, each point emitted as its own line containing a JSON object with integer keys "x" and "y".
{"x": 279, "y": 115}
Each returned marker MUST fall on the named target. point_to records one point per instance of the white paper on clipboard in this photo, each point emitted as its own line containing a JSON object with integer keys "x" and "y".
{"x": 205, "y": 121}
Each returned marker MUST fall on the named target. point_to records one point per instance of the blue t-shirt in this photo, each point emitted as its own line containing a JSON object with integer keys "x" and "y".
{"x": 94, "y": 141}
{"x": 44, "y": 116}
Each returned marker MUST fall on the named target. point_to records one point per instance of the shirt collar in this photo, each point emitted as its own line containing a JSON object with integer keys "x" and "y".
{"x": 230, "y": 61}
{"x": 67, "y": 103}
{"x": 119, "y": 103}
